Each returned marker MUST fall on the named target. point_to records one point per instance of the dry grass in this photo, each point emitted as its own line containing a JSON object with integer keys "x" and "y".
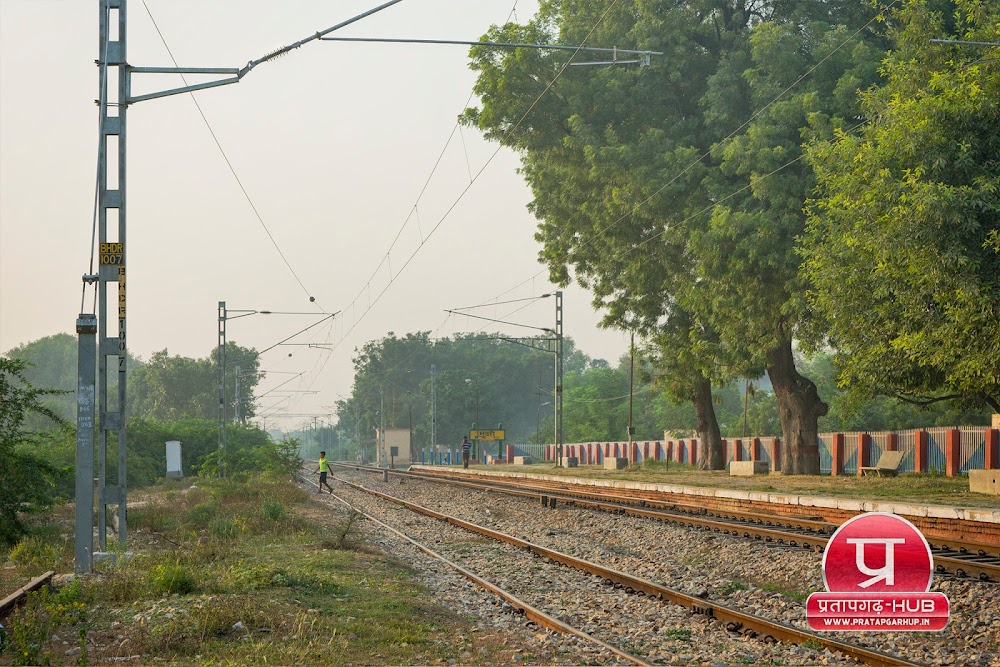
{"x": 229, "y": 573}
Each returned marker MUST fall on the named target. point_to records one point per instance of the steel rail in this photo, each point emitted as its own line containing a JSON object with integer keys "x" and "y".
{"x": 968, "y": 559}
{"x": 973, "y": 559}
{"x": 518, "y": 605}
{"x": 735, "y": 621}
{"x": 9, "y": 603}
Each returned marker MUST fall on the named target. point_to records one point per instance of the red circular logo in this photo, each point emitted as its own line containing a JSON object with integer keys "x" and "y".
{"x": 875, "y": 553}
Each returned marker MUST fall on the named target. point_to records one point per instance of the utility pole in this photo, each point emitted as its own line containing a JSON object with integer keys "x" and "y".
{"x": 746, "y": 390}
{"x": 631, "y": 376}
{"x": 221, "y": 361}
{"x": 433, "y": 412}
{"x": 236, "y": 397}
{"x": 558, "y": 398}
{"x": 113, "y": 69}
{"x": 86, "y": 329}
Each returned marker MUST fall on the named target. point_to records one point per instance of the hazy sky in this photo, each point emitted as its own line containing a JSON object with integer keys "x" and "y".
{"x": 333, "y": 142}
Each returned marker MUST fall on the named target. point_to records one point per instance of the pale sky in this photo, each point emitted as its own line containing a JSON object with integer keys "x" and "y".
{"x": 333, "y": 143}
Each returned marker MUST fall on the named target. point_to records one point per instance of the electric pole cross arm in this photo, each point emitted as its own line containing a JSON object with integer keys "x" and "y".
{"x": 237, "y": 72}
{"x": 646, "y": 56}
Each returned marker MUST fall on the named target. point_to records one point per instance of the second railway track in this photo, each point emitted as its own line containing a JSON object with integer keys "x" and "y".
{"x": 954, "y": 558}
{"x": 646, "y": 595}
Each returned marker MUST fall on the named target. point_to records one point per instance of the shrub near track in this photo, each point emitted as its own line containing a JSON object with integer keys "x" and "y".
{"x": 284, "y": 582}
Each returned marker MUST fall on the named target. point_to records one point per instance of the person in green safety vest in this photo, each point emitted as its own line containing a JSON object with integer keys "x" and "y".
{"x": 323, "y": 468}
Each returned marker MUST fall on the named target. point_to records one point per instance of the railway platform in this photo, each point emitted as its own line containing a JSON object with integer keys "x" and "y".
{"x": 946, "y": 522}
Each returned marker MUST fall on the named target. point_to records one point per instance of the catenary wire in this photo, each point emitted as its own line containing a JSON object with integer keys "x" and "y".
{"x": 225, "y": 157}
{"x": 465, "y": 190}
{"x": 451, "y": 208}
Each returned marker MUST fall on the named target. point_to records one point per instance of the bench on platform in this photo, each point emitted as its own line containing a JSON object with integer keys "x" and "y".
{"x": 888, "y": 465}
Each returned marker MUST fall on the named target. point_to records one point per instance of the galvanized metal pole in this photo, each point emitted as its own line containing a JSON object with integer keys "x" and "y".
{"x": 86, "y": 329}
{"x": 558, "y": 399}
{"x": 433, "y": 411}
{"x": 221, "y": 362}
{"x": 631, "y": 380}
{"x": 236, "y": 397}
{"x": 111, "y": 197}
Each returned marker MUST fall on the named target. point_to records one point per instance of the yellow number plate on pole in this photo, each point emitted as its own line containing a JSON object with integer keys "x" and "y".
{"x": 487, "y": 435}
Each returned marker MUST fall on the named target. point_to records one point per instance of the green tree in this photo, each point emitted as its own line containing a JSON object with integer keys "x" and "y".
{"x": 51, "y": 362}
{"x": 622, "y": 163}
{"x": 477, "y": 377}
{"x": 27, "y": 481}
{"x": 902, "y": 237}
{"x": 170, "y": 388}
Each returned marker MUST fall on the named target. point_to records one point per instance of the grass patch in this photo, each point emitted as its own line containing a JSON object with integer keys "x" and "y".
{"x": 676, "y": 634}
{"x": 231, "y": 573}
{"x": 733, "y": 586}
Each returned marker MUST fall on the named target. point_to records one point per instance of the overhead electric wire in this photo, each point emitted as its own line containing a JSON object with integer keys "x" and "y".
{"x": 301, "y": 331}
{"x": 357, "y": 320}
{"x": 479, "y": 173}
{"x": 490, "y": 319}
{"x": 218, "y": 144}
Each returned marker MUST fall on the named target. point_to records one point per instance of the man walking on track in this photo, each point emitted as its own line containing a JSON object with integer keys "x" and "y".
{"x": 466, "y": 450}
{"x": 322, "y": 470}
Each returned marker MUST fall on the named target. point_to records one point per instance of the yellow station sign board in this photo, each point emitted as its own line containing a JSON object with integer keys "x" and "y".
{"x": 495, "y": 434}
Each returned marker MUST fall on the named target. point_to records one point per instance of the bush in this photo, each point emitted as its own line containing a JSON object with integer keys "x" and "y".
{"x": 34, "y": 551}
{"x": 201, "y": 514}
{"x": 170, "y": 579}
{"x": 272, "y": 510}
{"x": 155, "y": 518}
{"x": 224, "y": 529}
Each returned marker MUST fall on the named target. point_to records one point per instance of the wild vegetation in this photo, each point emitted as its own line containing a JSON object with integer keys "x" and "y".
{"x": 225, "y": 572}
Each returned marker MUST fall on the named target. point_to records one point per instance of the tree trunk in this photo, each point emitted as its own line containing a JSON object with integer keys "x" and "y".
{"x": 799, "y": 406}
{"x": 713, "y": 457}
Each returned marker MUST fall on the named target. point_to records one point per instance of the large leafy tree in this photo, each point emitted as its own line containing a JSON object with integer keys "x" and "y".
{"x": 51, "y": 362}
{"x": 477, "y": 377}
{"x": 902, "y": 239}
{"x": 625, "y": 162}
{"x": 27, "y": 481}
{"x": 176, "y": 387}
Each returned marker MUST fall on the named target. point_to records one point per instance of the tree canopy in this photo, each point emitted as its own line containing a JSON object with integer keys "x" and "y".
{"x": 902, "y": 236}
{"x": 675, "y": 191}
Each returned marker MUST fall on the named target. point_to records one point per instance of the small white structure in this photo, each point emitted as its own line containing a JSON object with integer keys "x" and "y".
{"x": 394, "y": 447}
{"x": 174, "y": 459}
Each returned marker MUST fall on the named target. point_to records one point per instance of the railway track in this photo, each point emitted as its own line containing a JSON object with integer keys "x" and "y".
{"x": 733, "y": 620}
{"x": 951, "y": 558}
{"x": 12, "y": 601}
